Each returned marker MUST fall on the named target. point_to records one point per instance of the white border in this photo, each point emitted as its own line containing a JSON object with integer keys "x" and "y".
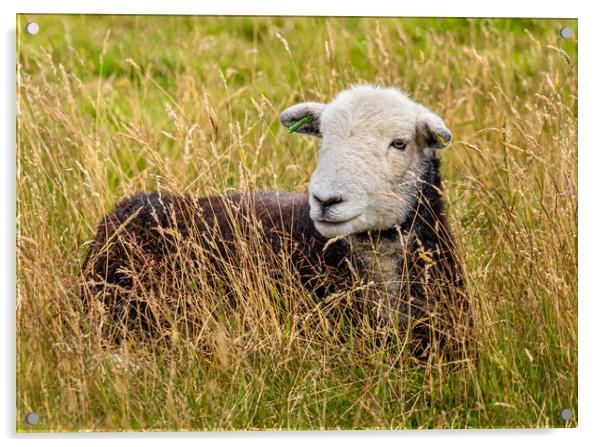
{"x": 437, "y": 8}
{"x": 590, "y": 248}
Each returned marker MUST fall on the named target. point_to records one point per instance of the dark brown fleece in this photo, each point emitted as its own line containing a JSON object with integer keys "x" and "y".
{"x": 147, "y": 230}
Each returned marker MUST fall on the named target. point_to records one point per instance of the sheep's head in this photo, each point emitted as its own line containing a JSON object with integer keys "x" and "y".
{"x": 375, "y": 145}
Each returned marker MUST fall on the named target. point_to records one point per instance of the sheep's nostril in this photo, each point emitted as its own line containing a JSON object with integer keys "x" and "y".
{"x": 328, "y": 202}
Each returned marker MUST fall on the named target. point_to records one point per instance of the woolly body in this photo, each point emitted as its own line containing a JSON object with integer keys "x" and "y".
{"x": 382, "y": 206}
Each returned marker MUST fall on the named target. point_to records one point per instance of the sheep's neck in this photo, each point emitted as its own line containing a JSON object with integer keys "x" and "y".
{"x": 378, "y": 260}
{"x": 381, "y": 255}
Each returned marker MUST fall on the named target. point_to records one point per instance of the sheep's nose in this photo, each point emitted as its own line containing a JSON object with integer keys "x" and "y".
{"x": 328, "y": 202}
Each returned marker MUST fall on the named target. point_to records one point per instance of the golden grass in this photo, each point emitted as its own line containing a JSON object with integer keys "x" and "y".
{"x": 108, "y": 106}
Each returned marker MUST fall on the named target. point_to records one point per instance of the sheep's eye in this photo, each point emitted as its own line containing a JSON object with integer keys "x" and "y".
{"x": 399, "y": 144}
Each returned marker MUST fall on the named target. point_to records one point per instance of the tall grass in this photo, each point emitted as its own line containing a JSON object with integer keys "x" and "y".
{"x": 108, "y": 106}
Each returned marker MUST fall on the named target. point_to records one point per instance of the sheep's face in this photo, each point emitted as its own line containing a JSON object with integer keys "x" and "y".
{"x": 375, "y": 144}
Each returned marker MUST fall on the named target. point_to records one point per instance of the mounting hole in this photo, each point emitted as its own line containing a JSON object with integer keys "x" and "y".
{"x": 566, "y": 32}
{"x": 32, "y": 418}
{"x": 32, "y": 28}
{"x": 566, "y": 414}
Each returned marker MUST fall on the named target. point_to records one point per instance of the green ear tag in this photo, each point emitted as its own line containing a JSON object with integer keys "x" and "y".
{"x": 443, "y": 141}
{"x": 305, "y": 120}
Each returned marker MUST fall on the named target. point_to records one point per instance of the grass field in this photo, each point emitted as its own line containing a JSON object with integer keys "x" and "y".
{"x": 108, "y": 106}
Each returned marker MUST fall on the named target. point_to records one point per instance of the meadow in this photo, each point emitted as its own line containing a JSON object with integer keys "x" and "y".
{"x": 112, "y": 105}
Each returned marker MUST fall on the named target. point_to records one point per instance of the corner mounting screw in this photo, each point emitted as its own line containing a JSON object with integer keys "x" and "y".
{"x": 566, "y": 32}
{"x": 32, "y": 28}
{"x": 566, "y": 414}
{"x": 32, "y": 418}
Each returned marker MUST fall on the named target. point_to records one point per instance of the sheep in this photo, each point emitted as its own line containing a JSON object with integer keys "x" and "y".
{"x": 373, "y": 214}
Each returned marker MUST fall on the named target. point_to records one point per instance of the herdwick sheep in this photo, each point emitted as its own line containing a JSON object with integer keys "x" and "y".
{"x": 373, "y": 213}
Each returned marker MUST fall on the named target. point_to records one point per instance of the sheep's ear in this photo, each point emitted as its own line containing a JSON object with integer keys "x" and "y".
{"x": 432, "y": 131}
{"x": 303, "y": 118}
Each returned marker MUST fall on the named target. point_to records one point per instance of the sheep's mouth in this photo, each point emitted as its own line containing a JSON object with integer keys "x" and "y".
{"x": 329, "y": 222}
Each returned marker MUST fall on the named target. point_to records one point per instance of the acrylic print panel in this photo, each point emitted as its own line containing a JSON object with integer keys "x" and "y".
{"x": 243, "y": 223}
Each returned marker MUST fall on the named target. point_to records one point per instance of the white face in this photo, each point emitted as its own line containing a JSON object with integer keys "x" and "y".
{"x": 375, "y": 144}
